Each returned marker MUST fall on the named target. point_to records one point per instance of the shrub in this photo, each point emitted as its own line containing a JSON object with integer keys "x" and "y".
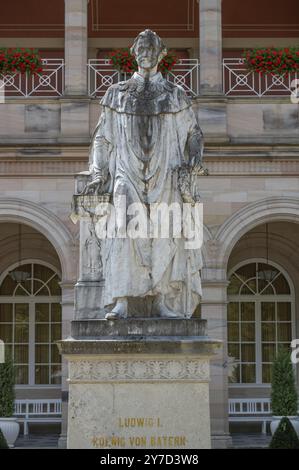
{"x": 283, "y": 392}
{"x": 7, "y": 389}
{"x": 3, "y": 443}
{"x": 285, "y": 436}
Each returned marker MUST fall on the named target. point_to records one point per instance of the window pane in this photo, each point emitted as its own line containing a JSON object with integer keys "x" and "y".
{"x": 247, "y": 331}
{"x": 21, "y": 333}
{"x": 266, "y": 373}
{"x": 42, "y": 333}
{"x": 268, "y": 311}
{"x": 266, "y": 272}
{"x": 21, "y": 291}
{"x": 249, "y": 288}
{"x": 234, "y": 285}
{"x": 25, "y": 268}
{"x": 284, "y": 311}
{"x": 42, "y": 313}
{"x": 247, "y": 311}
{"x": 21, "y": 354}
{"x": 41, "y": 353}
{"x": 281, "y": 285}
{"x": 21, "y": 374}
{"x": 234, "y": 374}
{"x": 248, "y": 373}
{"x": 56, "y": 375}
{"x": 22, "y": 313}
{"x": 54, "y": 287}
{"x": 268, "y": 332}
{"x": 233, "y": 351}
{"x": 56, "y": 313}
{"x": 268, "y": 352}
{"x": 55, "y": 356}
{"x": 6, "y": 333}
{"x": 233, "y": 311}
{"x": 248, "y": 352}
{"x": 6, "y": 313}
{"x": 284, "y": 331}
{"x": 42, "y": 374}
{"x": 55, "y": 332}
{"x": 28, "y": 285}
{"x": 38, "y": 289}
{"x": 233, "y": 332}
{"x": 8, "y": 286}
{"x": 268, "y": 291}
{"x": 42, "y": 272}
{"x": 247, "y": 272}
{"x": 285, "y": 346}
{"x": 8, "y": 349}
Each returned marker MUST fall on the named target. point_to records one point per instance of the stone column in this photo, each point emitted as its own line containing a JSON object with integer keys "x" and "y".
{"x": 67, "y": 307}
{"x": 214, "y": 310}
{"x": 210, "y": 31}
{"x": 76, "y": 39}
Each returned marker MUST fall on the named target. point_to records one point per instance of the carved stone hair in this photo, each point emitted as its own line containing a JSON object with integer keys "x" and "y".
{"x": 154, "y": 37}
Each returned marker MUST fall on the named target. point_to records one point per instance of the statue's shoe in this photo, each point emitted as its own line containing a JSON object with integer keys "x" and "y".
{"x": 166, "y": 313}
{"x": 115, "y": 315}
{"x": 170, "y": 315}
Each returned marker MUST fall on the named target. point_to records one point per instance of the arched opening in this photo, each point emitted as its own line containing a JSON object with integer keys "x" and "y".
{"x": 30, "y": 307}
{"x": 261, "y": 317}
{"x": 30, "y": 322}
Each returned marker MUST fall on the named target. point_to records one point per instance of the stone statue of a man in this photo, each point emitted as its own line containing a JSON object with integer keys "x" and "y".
{"x": 147, "y": 132}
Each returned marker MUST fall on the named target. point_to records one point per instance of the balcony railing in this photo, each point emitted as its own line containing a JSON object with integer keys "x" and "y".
{"x": 101, "y": 75}
{"x": 49, "y": 83}
{"x": 238, "y": 81}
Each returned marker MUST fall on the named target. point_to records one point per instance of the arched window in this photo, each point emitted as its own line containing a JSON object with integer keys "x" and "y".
{"x": 260, "y": 320}
{"x": 30, "y": 322}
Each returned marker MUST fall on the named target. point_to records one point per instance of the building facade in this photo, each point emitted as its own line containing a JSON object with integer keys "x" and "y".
{"x": 251, "y": 212}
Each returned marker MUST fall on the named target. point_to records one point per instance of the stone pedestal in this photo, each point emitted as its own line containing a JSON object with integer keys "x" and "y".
{"x": 139, "y": 383}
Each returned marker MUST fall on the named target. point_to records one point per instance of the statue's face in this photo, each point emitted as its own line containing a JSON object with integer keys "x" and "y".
{"x": 147, "y": 53}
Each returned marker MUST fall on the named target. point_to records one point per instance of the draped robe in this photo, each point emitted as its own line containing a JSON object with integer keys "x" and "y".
{"x": 146, "y": 131}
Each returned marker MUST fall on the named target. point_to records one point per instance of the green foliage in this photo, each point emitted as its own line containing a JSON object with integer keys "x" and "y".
{"x": 285, "y": 436}
{"x": 3, "y": 443}
{"x": 283, "y": 393}
{"x": 7, "y": 389}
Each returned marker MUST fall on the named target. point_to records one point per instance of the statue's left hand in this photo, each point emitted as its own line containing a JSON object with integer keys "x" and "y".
{"x": 95, "y": 186}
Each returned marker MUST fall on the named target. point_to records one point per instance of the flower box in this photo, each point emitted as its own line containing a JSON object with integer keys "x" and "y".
{"x": 272, "y": 60}
{"x": 20, "y": 60}
{"x": 123, "y": 61}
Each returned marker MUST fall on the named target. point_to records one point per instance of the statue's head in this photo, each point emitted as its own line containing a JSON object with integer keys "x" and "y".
{"x": 148, "y": 49}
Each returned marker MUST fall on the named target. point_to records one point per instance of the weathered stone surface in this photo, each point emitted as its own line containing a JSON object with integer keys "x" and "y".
{"x": 88, "y": 296}
{"x": 138, "y": 327}
{"x": 153, "y": 414}
{"x": 145, "y": 150}
{"x": 138, "y": 345}
{"x": 43, "y": 118}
